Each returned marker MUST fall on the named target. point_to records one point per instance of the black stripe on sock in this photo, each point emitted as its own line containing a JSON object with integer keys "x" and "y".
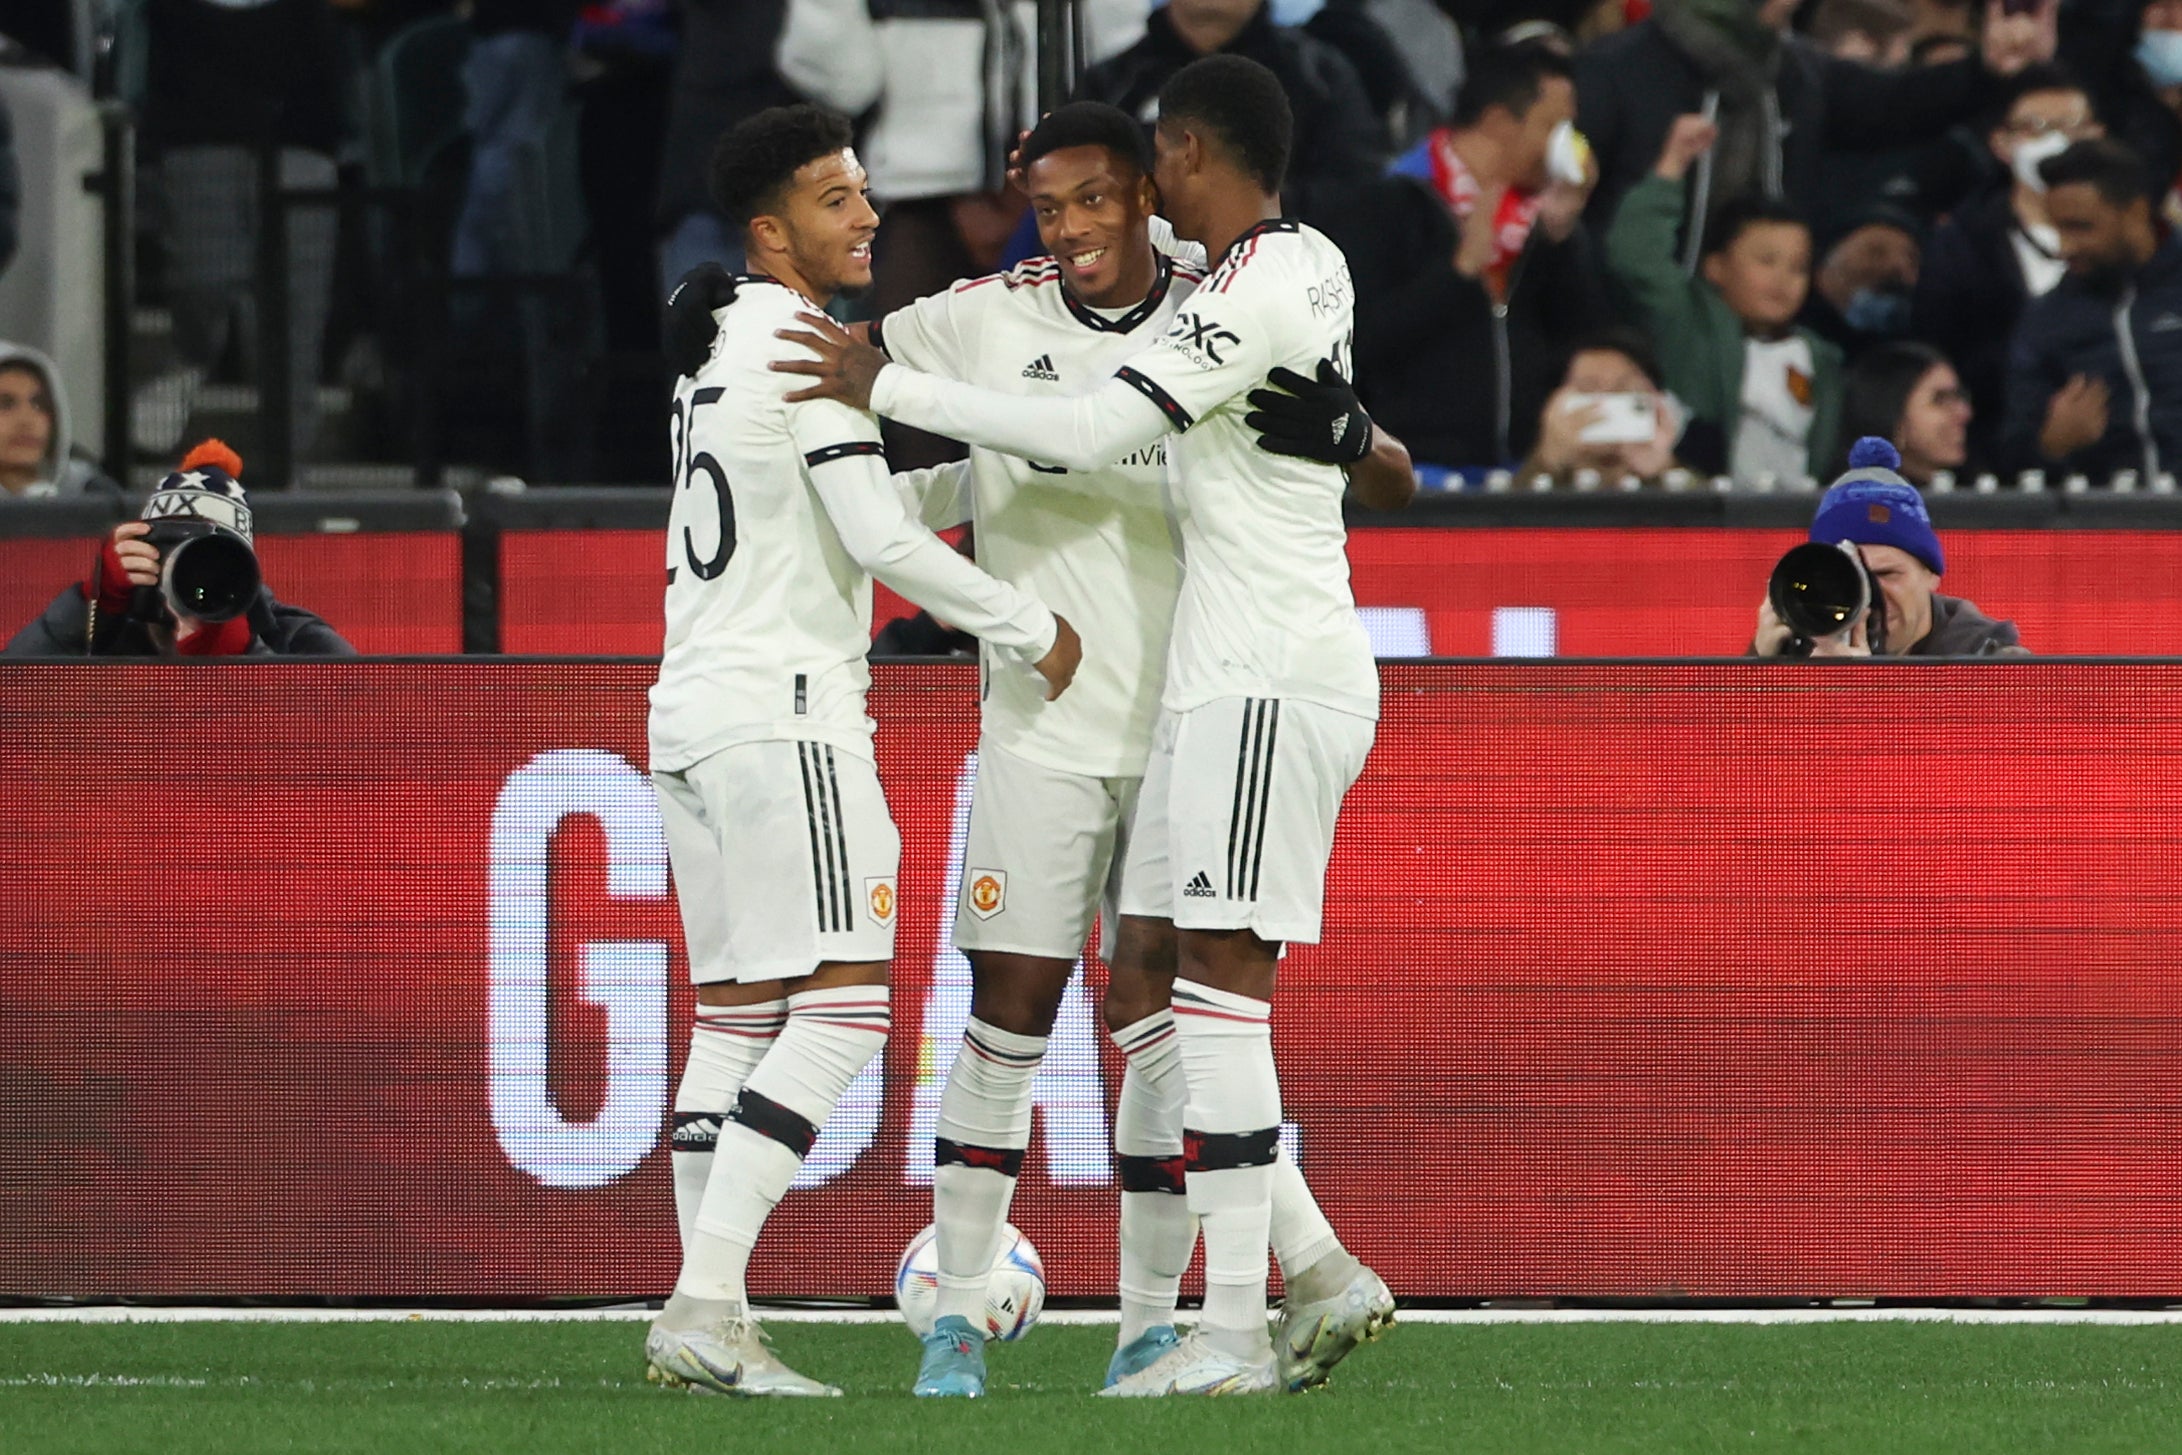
{"x": 768, "y": 1118}
{"x": 840, "y": 846}
{"x": 1265, "y": 797}
{"x": 695, "y": 1131}
{"x": 1007, "y": 1161}
{"x": 1226, "y": 1151}
{"x": 1150, "y": 1174}
{"x": 811, "y": 811}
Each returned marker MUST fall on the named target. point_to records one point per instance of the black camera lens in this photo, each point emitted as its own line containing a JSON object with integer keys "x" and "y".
{"x": 213, "y": 577}
{"x": 1817, "y": 590}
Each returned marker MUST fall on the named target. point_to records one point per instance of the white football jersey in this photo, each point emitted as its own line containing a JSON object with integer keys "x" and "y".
{"x": 1265, "y": 607}
{"x": 782, "y": 513}
{"x": 1096, "y": 546}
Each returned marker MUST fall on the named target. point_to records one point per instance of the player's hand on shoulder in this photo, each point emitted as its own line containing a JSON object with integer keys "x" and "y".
{"x": 841, "y": 366}
{"x": 1058, "y": 666}
{"x": 690, "y": 327}
{"x": 1311, "y": 419}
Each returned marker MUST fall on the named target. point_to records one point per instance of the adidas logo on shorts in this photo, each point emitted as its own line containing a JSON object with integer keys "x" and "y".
{"x": 1041, "y": 368}
{"x": 1199, "y": 887}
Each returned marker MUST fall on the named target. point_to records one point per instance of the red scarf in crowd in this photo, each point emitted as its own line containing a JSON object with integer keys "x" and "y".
{"x": 1459, "y": 189}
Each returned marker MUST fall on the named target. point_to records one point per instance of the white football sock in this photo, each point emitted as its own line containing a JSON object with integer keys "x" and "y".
{"x": 1157, "y": 1230}
{"x": 984, "y": 1125}
{"x": 829, "y": 1036}
{"x": 1313, "y": 1264}
{"x": 1232, "y": 1139}
{"x": 725, "y": 1045}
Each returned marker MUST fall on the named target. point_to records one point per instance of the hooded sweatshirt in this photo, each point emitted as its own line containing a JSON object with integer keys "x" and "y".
{"x": 59, "y": 473}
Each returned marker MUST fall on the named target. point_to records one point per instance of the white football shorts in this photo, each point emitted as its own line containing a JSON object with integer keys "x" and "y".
{"x": 1042, "y": 857}
{"x": 1239, "y": 803}
{"x": 785, "y": 858}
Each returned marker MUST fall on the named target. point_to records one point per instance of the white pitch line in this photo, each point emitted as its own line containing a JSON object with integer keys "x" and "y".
{"x": 625, "y": 1313}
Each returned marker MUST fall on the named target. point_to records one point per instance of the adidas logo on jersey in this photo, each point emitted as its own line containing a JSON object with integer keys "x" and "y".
{"x": 1199, "y": 887}
{"x": 1041, "y": 368}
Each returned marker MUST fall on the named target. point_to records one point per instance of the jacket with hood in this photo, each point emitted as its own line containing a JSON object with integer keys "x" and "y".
{"x": 1959, "y": 629}
{"x": 1780, "y": 103}
{"x": 1701, "y": 341}
{"x": 276, "y": 629}
{"x": 60, "y": 473}
{"x": 2133, "y": 341}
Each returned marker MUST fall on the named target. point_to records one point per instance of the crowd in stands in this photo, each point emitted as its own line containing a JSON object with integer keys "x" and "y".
{"x": 1625, "y": 237}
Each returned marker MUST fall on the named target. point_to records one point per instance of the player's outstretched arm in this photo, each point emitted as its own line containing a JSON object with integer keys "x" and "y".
{"x": 1321, "y": 419}
{"x": 850, "y": 478}
{"x": 1083, "y": 433}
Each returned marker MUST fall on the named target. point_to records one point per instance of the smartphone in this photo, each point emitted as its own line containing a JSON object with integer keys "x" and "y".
{"x": 1624, "y": 419}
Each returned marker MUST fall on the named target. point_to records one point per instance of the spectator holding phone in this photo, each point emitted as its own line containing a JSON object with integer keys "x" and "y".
{"x": 1610, "y": 415}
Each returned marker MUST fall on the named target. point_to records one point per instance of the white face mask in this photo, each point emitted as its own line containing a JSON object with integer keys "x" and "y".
{"x": 2028, "y": 154}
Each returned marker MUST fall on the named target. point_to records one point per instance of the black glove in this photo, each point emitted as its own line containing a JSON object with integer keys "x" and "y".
{"x": 690, "y": 328}
{"x": 1312, "y": 421}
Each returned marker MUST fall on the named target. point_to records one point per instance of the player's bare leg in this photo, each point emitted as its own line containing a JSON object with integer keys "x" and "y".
{"x": 984, "y": 1127}
{"x": 837, "y": 1020}
{"x": 1157, "y": 1230}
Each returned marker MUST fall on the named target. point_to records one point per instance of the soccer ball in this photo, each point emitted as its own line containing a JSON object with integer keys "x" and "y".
{"x": 1013, "y": 1298}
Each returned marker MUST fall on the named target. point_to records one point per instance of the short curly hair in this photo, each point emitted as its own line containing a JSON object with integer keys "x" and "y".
{"x": 1242, "y": 105}
{"x": 756, "y": 161}
{"x": 1090, "y": 124}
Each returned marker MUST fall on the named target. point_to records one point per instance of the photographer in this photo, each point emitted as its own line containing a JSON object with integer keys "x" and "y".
{"x": 134, "y": 603}
{"x": 1881, "y": 515}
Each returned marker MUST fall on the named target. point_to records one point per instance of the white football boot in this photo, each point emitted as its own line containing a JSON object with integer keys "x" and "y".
{"x": 1195, "y": 1367}
{"x": 1314, "y": 1336}
{"x": 725, "y": 1358}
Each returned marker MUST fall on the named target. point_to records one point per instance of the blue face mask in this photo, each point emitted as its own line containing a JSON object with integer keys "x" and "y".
{"x": 1880, "y": 311}
{"x": 2160, "y": 53}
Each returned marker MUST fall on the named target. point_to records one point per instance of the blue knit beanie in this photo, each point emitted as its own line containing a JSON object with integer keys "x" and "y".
{"x": 1873, "y": 506}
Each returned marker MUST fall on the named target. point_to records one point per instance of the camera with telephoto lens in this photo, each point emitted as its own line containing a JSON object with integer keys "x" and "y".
{"x": 205, "y": 570}
{"x": 1819, "y": 591}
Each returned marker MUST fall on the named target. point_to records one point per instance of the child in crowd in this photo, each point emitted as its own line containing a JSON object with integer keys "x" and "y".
{"x": 1727, "y": 338}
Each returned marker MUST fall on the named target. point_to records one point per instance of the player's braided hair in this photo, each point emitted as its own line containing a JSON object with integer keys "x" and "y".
{"x": 755, "y": 162}
{"x": 1090, "y": 124}
{"x": 1242, "y": 107}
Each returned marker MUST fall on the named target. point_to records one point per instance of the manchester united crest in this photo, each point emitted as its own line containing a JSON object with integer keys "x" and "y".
{"x": 985, "y": 891}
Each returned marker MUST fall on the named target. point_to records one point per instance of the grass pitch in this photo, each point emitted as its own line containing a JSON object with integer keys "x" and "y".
{"x": 412, "y": 1388}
